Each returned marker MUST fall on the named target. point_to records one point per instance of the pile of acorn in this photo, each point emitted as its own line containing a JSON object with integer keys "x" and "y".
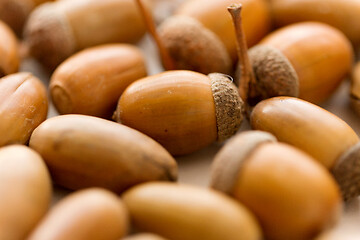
{"x": 119, "y": 129}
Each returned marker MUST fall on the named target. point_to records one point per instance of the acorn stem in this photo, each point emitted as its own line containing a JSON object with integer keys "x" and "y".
{"x": 166, "y": 59}
{"x": 247, "y": 76}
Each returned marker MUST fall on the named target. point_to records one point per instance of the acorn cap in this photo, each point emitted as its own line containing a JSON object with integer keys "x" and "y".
{"x": 274, "y": 74}
{"x": 230, "y": 159}
{"x": 229, "y": 107}
{"x": 49, "y": 35}
{"x": 347, "y": 172}
{"x": 194, "y": 47}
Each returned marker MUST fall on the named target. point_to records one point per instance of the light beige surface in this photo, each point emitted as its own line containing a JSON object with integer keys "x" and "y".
{"x": 195, "y": 168}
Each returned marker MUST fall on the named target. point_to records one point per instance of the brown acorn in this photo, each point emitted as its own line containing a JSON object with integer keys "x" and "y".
{"x": 9, "y": 51}
{"x": 58, "y": 29}
{"x": 182, "y": 110}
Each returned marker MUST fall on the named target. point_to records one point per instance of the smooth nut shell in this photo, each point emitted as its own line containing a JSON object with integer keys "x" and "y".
{"x": 306, "y": 126}
{"x": 215, "y": 17}
{"x": 193, "y": 47}
{"x": 181, "y": 212}
{"x": 340, "y": 14}
{"x": 23, "y": 106}
{"x": 91, "y": 214}
{"x": 56, "y": 30}
{"x": 321, "y": 55}
{"x": 292, "y": 195}
{"x": 91, "y": 81}
{"x": 83, "y": 151}
{"x": 25, "y": 190}
{"x": 9, "y": 52}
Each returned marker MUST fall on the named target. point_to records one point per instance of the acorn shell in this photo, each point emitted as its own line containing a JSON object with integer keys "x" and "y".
{"x": 321, "y": 55}
{"x": 178, "y": 109}
{"x": 91, "y": 81}
{"x": 355, "y": 89}
{"x": 194, "y": 47}
{"x": 275, "y": 76}
{"x": 144, "y": 236}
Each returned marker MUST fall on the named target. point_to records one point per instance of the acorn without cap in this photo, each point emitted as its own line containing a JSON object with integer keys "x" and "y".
{"x": 182, "y": 110}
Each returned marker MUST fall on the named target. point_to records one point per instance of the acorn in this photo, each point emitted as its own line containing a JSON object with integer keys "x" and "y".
{"x": 58, "y": 29}
{"x": 15, "y": 12}
{"x": 25, "y": 190}
{"x": 91, "y": 81}
{"x": 182, "y": 110}
{"x": 199, "y": 37}
{"x": 308, "y": 60}
{"x": 23, "y": 106}
{"x": 321, "y": 134}
{"x": 9, "y": 51}
{"x": 83, "y": 151}
{"x": 90, "y": 214}
{"x": 292, "y": 195}
{"x": 181, "y": 212}
{"x": 340, "y": 14}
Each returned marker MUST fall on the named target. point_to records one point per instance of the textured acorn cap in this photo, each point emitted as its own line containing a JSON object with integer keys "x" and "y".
{"x": 347, "y": 172}
{"x": 230, "y": 159}
{"x": 275, "y": 76}
{"x": 194, "y": 47}
{"x": 229, "y": 107}
{"x": 49, "y": 35}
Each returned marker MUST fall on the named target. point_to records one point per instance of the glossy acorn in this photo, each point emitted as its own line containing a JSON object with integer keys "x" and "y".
{"x": 182, "y": 110}
{"x": 83, "y": 151}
